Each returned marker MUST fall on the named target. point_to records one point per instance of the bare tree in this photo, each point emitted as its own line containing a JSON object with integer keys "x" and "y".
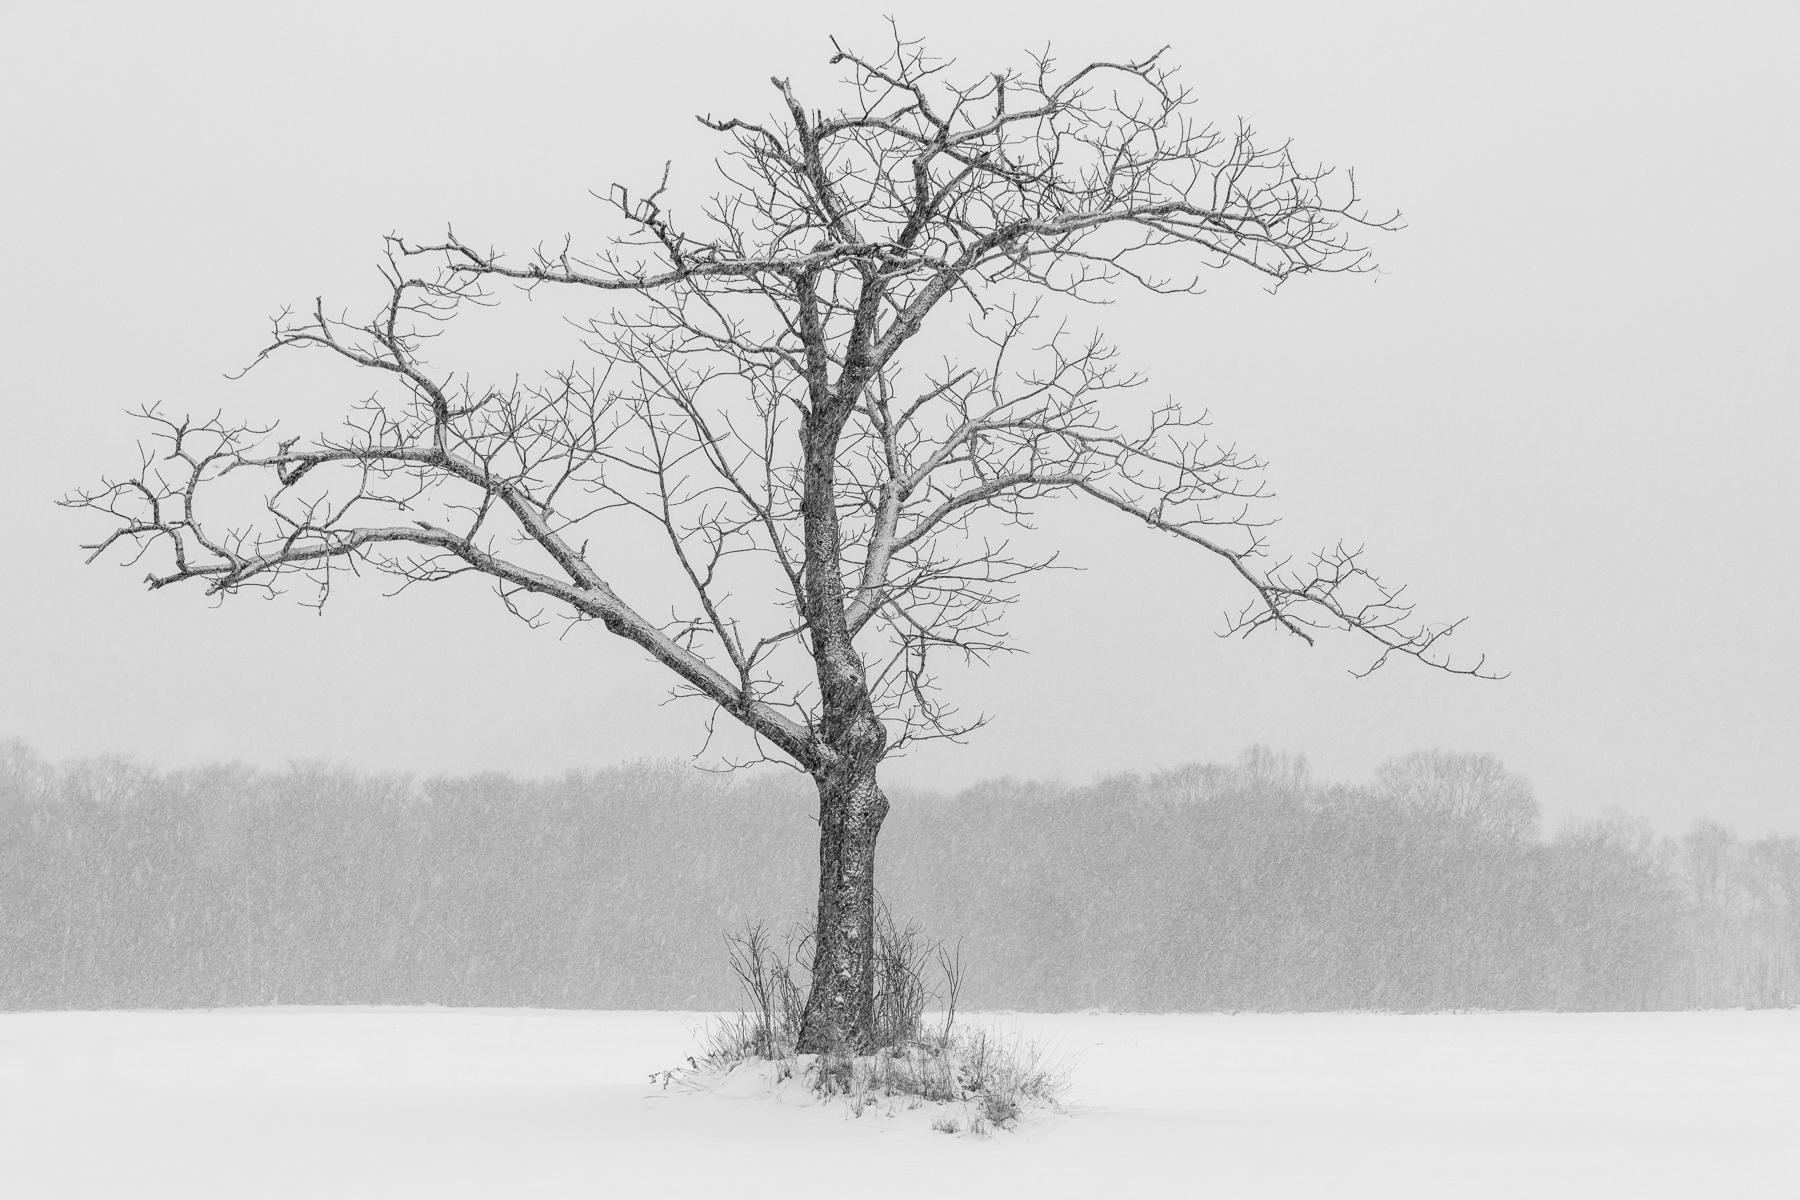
{"x": 839, "y": 495}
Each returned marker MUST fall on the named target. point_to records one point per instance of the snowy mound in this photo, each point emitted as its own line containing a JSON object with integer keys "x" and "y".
{"x": 970, "y": 1087}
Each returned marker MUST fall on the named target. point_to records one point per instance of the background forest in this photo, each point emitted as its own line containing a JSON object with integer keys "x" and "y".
{"x": 1205, "y": 888}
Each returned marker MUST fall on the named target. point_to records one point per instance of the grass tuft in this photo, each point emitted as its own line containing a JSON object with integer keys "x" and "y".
{"x": 984, "y": 1080}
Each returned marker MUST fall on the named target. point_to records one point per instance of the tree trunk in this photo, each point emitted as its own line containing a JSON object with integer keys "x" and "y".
{"x": 840, "y": 1010}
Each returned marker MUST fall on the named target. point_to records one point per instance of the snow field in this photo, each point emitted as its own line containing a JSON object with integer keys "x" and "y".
{"x": 452, "y": 1103}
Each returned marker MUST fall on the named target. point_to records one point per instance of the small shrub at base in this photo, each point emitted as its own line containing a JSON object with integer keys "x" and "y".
{"x": 991, "y": 1080}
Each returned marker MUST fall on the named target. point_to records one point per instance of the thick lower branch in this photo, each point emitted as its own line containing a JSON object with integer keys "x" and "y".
{"x": 592, "y": 598}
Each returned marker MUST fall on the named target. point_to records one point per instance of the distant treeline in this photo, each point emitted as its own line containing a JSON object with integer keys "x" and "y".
{"x": 1205, "y": 888}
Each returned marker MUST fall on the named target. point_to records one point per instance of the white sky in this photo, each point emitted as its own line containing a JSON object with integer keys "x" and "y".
{"x": 1566, "y": 408}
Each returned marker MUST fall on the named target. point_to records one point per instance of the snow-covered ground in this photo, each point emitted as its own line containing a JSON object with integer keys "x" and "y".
{"x": 441, "y": 1103}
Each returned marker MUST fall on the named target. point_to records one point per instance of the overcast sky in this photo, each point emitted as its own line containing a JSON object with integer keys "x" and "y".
{"x": 1566, "y": 407}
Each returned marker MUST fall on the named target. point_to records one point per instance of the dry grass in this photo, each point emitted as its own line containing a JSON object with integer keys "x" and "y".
{"x": 987, "y": 1080}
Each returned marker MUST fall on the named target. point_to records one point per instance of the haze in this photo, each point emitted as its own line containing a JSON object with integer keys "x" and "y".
{"x": 1565, "y": 407}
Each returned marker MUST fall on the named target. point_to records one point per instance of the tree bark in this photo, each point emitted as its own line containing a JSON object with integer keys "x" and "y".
{"x": 840, "y": 1010}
